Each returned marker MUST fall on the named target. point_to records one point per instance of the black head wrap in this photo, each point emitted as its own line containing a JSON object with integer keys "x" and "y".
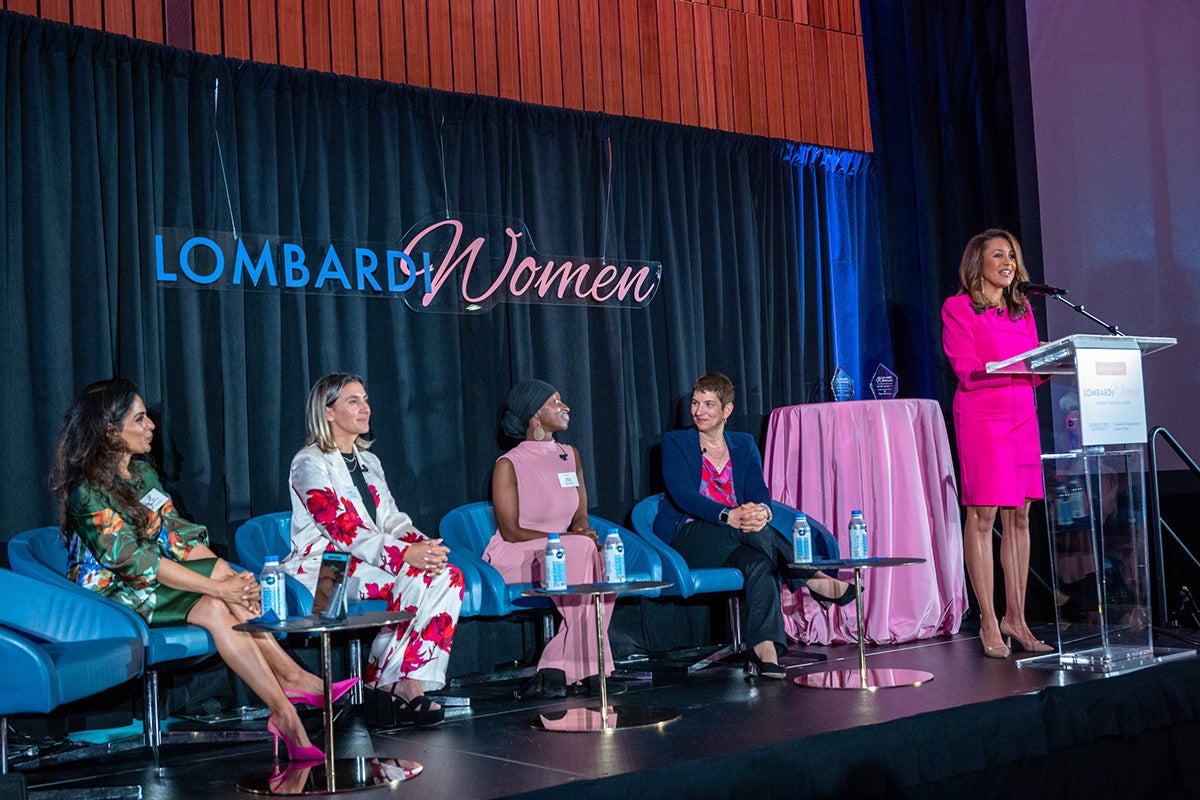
{"x": 522, "y": 403}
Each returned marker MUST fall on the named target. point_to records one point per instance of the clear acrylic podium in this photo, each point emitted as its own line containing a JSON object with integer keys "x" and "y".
{"x": 1096, "y": 506}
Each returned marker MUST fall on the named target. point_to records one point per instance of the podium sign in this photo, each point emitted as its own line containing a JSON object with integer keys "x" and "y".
{"x": 1112, "y": 404}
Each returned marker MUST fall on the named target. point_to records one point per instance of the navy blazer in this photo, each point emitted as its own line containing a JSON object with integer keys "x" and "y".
{"x": 681, "y": 466}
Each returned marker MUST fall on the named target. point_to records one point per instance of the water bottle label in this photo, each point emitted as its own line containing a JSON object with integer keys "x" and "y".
{"x": 858, "y": 541}
{"x": 614, "y": 563}
{"x": 556, "y": 569}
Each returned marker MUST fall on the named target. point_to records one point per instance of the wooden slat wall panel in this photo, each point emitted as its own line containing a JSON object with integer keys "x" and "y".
{"x": 589, "y": 51}
{"x": 416, "y": 44}
{"x": 610, "y": 58}
{"x": 392, "y": 35}
{"x": 572, "y": 54}
{"x": 550, "y": 54}
{"x": 316, "y": 35}
{"x": 668, "y": 65}
{"x": 462, "y": 45}
{"x": 235, "y": 34}
{"x": 723, "y": 70}
{"x": 206, "y": 26}
{"x": 441, "y": 61}
{"x": 685, "y": 51}
{"x": 487, "y": 74}
{"x": 528, "y": 53}
{"x": 118, "y": 18}
{"x": 648, "y": 44}
{"x": 630, "y": 60}
{"x": 706, "y": 82}
{"x": 343, "y": 56}
{"x": 264, "y": 41}
{"x": 291, "y": 32}
{"x": 790, "y": 69}
{"x": 368, "y": 54}
{"x": 147, "y": 19}
{"x": 507, "y": 48}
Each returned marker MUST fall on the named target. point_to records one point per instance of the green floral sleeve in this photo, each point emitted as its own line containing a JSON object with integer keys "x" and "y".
{"x": 113, "y": 539}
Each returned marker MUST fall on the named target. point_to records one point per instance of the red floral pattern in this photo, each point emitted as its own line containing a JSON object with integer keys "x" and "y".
{"x": 440, "y": 631}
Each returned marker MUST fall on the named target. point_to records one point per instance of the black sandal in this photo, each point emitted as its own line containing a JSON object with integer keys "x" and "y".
{"x": 419, "y": 712}
{"x": 388, "y": 710}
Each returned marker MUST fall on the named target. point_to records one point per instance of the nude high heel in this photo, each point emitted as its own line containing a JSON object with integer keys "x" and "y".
{"x": 1030, "y": 645}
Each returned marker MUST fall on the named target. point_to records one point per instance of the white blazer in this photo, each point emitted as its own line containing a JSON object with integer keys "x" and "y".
{"x": 327, "y": 510}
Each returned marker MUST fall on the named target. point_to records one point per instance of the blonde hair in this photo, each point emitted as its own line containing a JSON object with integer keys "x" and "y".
{"x": 324, "y": 393}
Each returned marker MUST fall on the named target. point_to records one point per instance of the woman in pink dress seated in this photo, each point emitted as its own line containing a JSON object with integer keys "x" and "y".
{"x": 341, "y": 501}
{"x": 995, "y": 420}
{"x": 537, "y": 489}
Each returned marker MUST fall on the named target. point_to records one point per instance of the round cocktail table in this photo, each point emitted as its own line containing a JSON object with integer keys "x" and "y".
{"x": 333, "y": 775}
{"x": 603, "y": 719}
{"x": 861, "y": 678}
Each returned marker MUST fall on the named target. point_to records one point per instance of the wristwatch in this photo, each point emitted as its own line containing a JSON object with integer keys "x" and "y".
{"x": 724, "y": 516}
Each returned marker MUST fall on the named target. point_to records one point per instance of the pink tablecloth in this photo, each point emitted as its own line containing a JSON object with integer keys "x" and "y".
{"x": 891, "y": 458}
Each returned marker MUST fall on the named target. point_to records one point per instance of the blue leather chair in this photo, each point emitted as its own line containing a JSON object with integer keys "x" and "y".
{"x": 270, "y": 534}
{"x": 57, "y": 647}
{"x": 467, "y": 529}
{"x": 40, "y": 554}
{"x": 688, "y": 581}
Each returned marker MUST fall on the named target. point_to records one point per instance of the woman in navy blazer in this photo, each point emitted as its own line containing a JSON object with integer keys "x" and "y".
{"x": 716, "y": 513}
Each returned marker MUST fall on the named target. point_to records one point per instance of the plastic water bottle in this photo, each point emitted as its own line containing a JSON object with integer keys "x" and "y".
{"x": 1078, "y": 502}
{"x": 1062, "y": 506}
{"x": 801, "y": 540}
{"x": 614, "y": 557}
{"x": 555, "y": 576}
{"x": 274, "y": 597}
{"x": 858, "y": 535}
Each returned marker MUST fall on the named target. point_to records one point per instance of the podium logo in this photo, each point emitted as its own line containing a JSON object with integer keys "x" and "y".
{"x": 455, "y": 264}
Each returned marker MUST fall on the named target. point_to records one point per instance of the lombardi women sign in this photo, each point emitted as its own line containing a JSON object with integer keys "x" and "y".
{"x": 463, "y": 264}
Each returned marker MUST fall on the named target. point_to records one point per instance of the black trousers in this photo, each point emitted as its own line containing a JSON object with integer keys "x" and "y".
{"x": 758, "y": 556}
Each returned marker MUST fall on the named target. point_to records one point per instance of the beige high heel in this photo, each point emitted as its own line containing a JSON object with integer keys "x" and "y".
{"x": 1030, "y": 645}
{"x": 995, "y": 651}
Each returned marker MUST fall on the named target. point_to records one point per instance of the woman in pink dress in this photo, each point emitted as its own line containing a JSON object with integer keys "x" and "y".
{"x": 537, "y": 489}
{"x": 995, "y": 419}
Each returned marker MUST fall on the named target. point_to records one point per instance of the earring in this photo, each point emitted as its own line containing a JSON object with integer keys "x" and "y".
{"x": 539, "y": 434}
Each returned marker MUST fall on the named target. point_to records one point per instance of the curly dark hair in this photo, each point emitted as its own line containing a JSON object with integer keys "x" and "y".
{"x": 90, "y": 447}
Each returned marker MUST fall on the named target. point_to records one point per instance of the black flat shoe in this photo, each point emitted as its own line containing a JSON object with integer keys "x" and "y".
{"x": 756, "y": 666}
{"x": 846, "y": 599}
{"x": 544, "y": 683}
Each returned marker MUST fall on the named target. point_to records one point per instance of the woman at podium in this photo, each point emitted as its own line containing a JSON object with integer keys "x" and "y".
{"x": 995, "y": 421}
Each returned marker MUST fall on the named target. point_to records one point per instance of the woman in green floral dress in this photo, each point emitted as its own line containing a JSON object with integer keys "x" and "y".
{"x": 126, "y": 541}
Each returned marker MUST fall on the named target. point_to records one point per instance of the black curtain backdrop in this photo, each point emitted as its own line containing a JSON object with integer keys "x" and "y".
{"x": 771, "y": 258}
{"x": 952, "y": 125}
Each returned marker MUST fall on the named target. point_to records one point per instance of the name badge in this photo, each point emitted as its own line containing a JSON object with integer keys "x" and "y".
{"x": 154, "y": 500}
{"x": 568, "y": 479}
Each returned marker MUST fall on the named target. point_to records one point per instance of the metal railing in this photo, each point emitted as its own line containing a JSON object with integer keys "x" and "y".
{"x": 1158, "y": 525}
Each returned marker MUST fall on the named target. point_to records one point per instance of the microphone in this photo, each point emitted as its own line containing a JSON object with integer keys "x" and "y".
{"x": 1025, "y": 287}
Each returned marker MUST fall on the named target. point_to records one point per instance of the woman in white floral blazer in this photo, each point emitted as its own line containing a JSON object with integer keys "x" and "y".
{"x": 341, "y": 501}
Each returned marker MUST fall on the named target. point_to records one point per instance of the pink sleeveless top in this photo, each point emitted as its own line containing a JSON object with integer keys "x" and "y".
{"x": 545, "y": 504}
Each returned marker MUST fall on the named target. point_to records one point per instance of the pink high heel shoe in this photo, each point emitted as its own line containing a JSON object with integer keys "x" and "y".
{"x": 337, "y": 691}
{"x": 295, "y": 754}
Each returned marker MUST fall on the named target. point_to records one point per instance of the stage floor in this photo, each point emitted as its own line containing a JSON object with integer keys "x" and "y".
{"x": 981, "y": 727}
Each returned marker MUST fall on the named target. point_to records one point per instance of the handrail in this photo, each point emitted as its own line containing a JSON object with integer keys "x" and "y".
{"x": 1156, "y": 522}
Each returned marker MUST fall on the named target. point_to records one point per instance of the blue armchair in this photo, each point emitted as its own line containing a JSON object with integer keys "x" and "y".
{"x": 687, "y": 581}
{"x": 40, "y": 554}
{"x": 57, "y": 647}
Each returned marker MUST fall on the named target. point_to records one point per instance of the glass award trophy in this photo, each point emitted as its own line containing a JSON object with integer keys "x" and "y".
{"x": 884, "y": 383}
{"x": 842, "y": 385}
